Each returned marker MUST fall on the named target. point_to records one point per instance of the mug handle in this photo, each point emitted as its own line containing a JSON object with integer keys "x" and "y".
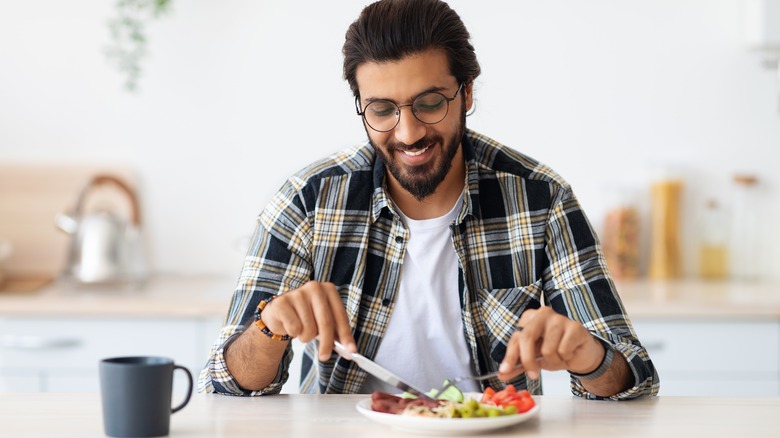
{"x": 189, "y": 390}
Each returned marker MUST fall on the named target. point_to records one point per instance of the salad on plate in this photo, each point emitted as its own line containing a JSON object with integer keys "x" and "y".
{"x": 453, "y": 404}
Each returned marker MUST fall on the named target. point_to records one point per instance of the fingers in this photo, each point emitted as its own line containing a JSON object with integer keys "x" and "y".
{"x": 507, "y": 369}
{"x": 548, "y": 341}
{"x": 313, "y": 310}
{"x": 529, "y": 338}
{"x": 341, "y": 320}
{"x": 324, "y": 309}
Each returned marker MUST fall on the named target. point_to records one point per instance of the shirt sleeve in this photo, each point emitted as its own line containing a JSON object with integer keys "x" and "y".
{"x": 577, "y": 284}
{"x": 277, "y": 261}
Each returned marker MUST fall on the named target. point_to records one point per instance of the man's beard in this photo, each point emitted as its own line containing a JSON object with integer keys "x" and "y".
{"x": 422, "y": 180}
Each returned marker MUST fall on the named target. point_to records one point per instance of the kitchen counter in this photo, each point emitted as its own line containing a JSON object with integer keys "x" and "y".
{"x": 181, "y": 316}
{"x": 208, "y": 415}
{"x": 210, "y": 295}
{"x": 696, "y": 299}
{"x": 52, "y": 339}
{"x": 164, "y": 296}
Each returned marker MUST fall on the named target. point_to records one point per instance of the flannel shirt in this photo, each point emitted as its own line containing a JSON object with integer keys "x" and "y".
{"x": 522, "y": 241}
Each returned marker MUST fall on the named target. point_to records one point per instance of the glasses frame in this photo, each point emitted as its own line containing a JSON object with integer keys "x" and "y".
{"x": 362, "y": 114}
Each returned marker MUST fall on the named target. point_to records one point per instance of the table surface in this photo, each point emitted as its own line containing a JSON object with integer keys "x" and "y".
{"x": 322, "y": 416}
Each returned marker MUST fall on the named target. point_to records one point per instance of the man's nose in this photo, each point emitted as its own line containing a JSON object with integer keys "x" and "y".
{"x": 409, "y": 129}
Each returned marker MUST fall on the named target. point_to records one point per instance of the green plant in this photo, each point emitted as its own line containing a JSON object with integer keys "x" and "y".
{"x": 129, "y": 41}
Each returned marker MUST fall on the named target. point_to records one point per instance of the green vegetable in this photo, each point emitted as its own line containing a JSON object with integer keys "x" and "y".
{"x": 453, "y": 393}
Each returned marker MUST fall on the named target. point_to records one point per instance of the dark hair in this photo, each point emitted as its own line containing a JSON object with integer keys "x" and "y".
{"x": 390, "y": 30}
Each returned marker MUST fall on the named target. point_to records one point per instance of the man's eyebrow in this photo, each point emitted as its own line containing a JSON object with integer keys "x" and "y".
{"x": 427, "y": 90}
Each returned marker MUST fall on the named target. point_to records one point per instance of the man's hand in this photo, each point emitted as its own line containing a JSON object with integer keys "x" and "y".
{"x": 550, "y": 341}
{"x": 313, "y": 310}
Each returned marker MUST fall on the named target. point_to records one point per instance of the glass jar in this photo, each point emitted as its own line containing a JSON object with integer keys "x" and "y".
{"x": 745, "y": 260}
{"x": 665, "y": 247}
{"x": 713, "y": 242}
{"x": 620, "y": 240}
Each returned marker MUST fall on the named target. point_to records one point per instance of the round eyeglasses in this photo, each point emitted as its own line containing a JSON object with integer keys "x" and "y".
{"x": 383, "y": 115}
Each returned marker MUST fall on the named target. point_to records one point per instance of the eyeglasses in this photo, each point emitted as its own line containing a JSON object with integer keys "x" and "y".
{"x": 429, "y": 108}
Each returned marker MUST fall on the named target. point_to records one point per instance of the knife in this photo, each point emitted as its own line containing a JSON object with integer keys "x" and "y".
{"x": 380, "y": 372}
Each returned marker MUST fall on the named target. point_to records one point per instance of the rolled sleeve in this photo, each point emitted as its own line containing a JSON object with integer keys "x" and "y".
{"x": 646, "y": 380}
{"x": 216, "y": 378}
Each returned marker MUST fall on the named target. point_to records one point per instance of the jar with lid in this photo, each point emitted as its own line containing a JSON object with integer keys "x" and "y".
{"x": 745, "y": 260}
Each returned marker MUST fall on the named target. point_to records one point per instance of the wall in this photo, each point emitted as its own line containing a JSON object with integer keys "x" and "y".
{"x": 607, "y": 92}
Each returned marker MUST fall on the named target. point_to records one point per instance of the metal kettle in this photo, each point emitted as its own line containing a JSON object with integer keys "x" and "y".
{"x": 105, "y": 247}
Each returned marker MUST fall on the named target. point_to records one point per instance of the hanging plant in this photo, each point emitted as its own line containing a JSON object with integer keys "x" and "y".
{"x": 129, "y": 41}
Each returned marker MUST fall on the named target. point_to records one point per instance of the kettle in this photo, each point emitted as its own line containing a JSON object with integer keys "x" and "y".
{"x": 105, "y": 247}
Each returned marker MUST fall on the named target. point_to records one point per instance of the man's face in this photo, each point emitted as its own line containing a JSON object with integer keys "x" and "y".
{"x": 417, "y": 155}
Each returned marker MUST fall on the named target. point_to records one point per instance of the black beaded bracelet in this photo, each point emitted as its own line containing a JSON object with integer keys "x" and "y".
{"x": 609, "y": 355}
{"x": 261, "y": 325}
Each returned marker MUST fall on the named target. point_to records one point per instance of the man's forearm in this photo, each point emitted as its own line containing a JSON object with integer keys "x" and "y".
{"x": 253, "y": 358}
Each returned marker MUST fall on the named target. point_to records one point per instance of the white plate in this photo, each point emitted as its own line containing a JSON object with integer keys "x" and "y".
{"x": 444, "y": 426}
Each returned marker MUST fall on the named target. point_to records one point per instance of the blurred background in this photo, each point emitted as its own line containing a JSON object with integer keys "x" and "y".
{"x": 613, "y": 95}
{"x": 663, "y": 115}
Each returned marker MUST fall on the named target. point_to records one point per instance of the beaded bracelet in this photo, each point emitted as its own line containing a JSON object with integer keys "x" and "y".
{"x": 609, "y": 354}
{"x": 261, "y": 325}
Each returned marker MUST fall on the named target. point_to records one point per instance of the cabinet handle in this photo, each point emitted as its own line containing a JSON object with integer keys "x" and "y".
{"x": 17, "y": 342}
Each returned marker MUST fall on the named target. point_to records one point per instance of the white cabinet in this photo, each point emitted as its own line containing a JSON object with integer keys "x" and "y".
{"x": 714, "y": 357}
{"x": 717, "y": 357}
{"x": 61, "y": 354}
{"x": 293, "y": 381}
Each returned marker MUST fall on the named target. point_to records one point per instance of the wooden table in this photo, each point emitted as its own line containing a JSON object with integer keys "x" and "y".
{"x": 322, "y": 416}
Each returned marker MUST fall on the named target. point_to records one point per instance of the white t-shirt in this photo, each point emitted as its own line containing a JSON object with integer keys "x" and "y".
{"x": 424, "y": 342}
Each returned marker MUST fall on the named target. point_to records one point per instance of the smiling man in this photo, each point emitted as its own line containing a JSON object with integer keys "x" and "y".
{"x": 430, "y": 245}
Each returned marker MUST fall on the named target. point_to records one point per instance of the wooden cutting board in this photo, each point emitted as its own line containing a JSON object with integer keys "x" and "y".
{"x": 30, "y": 198}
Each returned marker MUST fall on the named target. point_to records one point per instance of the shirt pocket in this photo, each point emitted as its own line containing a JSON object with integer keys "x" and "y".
{"x": 500, "y": 309}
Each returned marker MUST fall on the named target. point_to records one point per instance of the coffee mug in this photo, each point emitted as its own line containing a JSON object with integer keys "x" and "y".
{"x": 136, "y": 395}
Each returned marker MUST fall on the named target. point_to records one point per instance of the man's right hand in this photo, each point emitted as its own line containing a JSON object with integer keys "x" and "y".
{"x": 313, "y": 310}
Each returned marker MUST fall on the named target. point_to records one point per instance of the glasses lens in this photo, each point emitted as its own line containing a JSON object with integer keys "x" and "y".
{"x": 430, "y": 107}
{"x": 381, "y": 115}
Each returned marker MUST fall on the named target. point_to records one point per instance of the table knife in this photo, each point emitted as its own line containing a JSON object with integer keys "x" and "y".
{"x": 380, "y": 372}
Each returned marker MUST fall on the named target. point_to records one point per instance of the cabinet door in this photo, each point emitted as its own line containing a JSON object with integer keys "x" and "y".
{"x": 713, "y": 357}
{"x": 19, "y": 381}
{"x": 556, "y": 383}
{"x": 294, "y": 380}
{"x": 64, "y": 352}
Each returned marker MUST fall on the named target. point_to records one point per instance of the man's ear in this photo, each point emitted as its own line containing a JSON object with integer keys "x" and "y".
{"x": 467, "y": 92}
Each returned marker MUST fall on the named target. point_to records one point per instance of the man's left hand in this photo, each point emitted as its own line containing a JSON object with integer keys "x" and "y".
{"x": 550, "y": 341}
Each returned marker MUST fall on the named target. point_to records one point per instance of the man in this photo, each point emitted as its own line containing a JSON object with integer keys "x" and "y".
{"x": 430, "y": 249}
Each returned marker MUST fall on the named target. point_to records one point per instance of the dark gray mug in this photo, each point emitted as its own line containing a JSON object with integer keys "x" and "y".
{"x": 136, "y": 395}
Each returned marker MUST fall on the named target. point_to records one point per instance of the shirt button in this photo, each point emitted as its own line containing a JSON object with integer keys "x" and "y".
{"x": 386, "y": 302}
{"x": 399, "y": 239}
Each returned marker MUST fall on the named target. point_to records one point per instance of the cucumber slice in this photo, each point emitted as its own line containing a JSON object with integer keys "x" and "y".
{"x": 453, "y": 393}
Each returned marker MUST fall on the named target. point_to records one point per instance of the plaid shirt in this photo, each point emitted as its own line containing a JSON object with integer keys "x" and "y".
{"x": 521, "y": 238}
